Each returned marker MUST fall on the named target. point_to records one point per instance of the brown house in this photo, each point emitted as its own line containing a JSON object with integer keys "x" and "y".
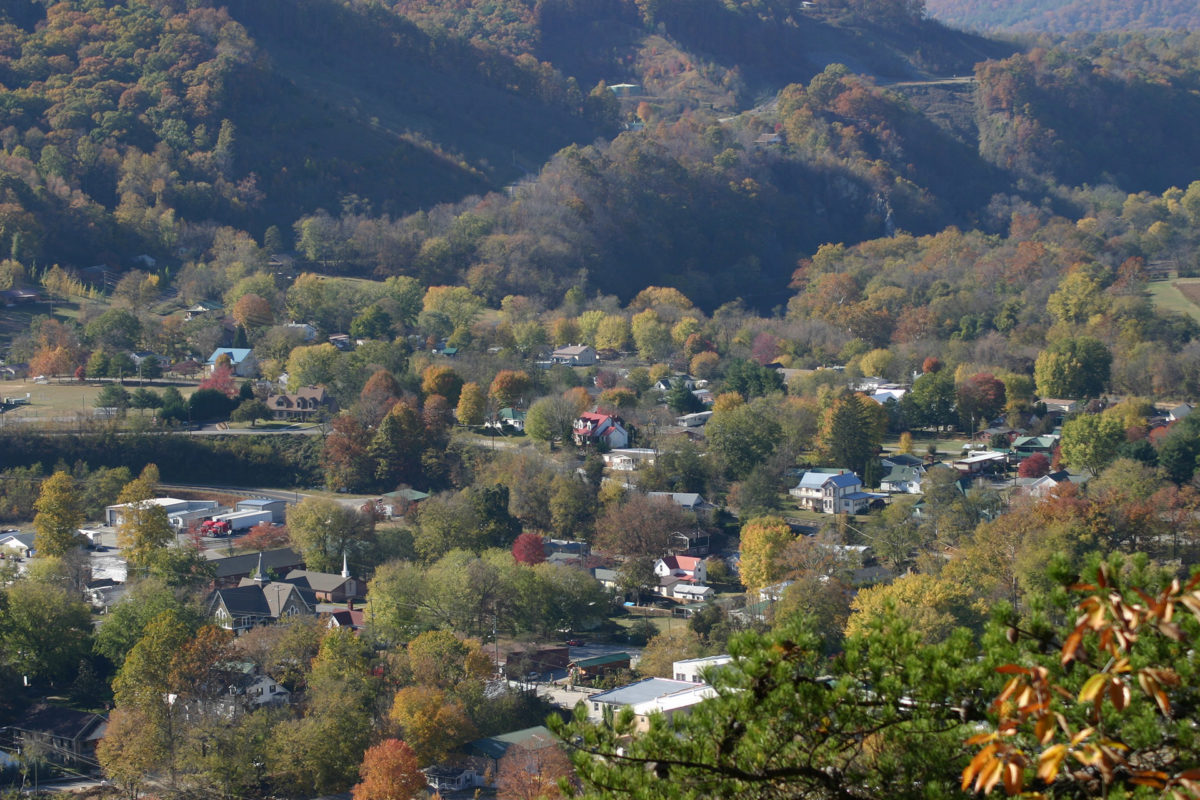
{"x": 547, "y": 659}
{"x": 68, "y": 736}
{"x": 303, "y": 405}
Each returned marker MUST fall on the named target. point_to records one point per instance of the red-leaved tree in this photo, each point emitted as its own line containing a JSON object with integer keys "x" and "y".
{"x": 1035, "y": 466}
{"x": 265, "y": 536}
{"x": 527, "y": 549}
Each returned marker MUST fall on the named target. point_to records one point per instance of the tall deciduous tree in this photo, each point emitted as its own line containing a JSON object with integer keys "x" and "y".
{"x": 641, "y": 525}
{"x": 508, "y": 387}
{"x": 433, "y": 722}
{"x": 44, "y": 632}
{"x": 528, "y": 549}
{"x": 742, "y": 437}
{"x": 763, "y": 542}
{"x": 1073, "y": 368}
{"x": 1091, "y": 441}
{"x": 551, "y": 419}
{"x": 60, "y": 513}
{"x": 532, "y": 771}
{"x": 325, "y": 529}
{"x": 471, "y": 405}
{"x": 389, "y": 771}
{"x": 396, "y": 446}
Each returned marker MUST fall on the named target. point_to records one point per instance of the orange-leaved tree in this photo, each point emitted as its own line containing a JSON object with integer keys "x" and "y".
{"x": 1106, "y": 708}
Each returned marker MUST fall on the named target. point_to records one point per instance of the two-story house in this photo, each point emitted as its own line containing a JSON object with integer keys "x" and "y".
{"x": 594, "y": 428}
{"x": 831, "y": 494}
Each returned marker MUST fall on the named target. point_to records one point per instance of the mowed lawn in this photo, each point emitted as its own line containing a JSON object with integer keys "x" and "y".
{"x": 64, "y": 399}
{"x": 1181, "y": 296}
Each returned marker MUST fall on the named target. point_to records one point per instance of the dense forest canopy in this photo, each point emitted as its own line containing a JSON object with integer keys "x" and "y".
{"x": 1066, "y": 16}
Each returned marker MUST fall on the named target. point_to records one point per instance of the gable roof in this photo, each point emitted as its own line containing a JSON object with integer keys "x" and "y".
{"x": 59, "y": 722}
{"x": 280, "y": 558}
{"x": 496, "y": 746}
{"x": 242, "y": 601}
{"x": 317, "y": 581}
{"x": 687, "y": 563}
{"x": 23, "y": 539}
{"x": 236, "y": 354}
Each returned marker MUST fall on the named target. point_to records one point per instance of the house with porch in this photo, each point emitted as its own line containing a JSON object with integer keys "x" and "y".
{"x": 575, "y": 355}
{"x": 593, "y": 428}
{"x": 305, "y": 403}
{"x": 831, "y": 493}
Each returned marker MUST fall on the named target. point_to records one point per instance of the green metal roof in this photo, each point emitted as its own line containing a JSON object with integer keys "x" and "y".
{"x": 600, "y": 661}
{"x": 497, "y": 746}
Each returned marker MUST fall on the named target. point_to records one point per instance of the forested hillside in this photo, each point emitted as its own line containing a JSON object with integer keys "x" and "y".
{"x": 321, "y": 126}
{"x": 1065, "y": 16}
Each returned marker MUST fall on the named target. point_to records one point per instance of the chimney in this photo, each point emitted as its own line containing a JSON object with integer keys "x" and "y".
{"x": 350, "y": 604}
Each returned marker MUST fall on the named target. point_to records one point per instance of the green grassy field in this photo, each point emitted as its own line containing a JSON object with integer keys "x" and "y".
{"x": 57, "y": 400}
{"x": 1167, "y": 296}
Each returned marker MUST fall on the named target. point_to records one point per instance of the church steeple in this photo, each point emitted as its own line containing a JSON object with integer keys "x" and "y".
{"x": 345, "y": 566}
{"x": 260, "y": 575}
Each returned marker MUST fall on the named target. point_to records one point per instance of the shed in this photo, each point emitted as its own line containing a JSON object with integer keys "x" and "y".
{"x": 599, "y": 665}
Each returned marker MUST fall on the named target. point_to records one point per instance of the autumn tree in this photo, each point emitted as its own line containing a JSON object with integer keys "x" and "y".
{"x": 532, "y": 771}
{"x": 980, "y": 397}
{"x": 443, "y": 380}
{"x": 662, "y": 651}
{"x": 433, "y": 723}
{"x": 763, "y": 541}
{"x": 252, "y": 312}
{"x": 1035, "y": 466}
{"x": 509, "y": 387}
{"x": 1072, "y": 368}
{"x": 932, "y": 606}
{"x": 378, "y": 395}
{"x": 472, "y": 404}
{"x": 528, "y": 549}
{"x": 144, "y": 530}
{"x": 345, "y": 456}
{"x": 641, "y": 525}
{"x": 325, "y": 530}
{"x": 389, "y": 771}
{"x": 60, "y": 513}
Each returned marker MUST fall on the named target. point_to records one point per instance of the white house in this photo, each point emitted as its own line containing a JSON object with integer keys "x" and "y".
{"x": 903, "y": 480}
{"x": 690, "y": 593}
{"x": 575, "y": 355}
{"x": 627, "y": 459}
{"x": 831, "y": 494}
{"x": 690, "y": 669}
{"x": 697, "y": 419}
{"x": 649, "y": 696}
{"x": 16, "y": 545}
{"x": 689, "y": 569}
{"x": 595, "y": 428}
{"x": 690, "y": 501}
{"x": 241, "y": 360}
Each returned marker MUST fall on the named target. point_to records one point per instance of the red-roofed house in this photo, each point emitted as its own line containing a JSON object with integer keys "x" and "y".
{"x": 596, "y": 428}
{"x": 351, "y": 618}
{"x": 686, "y": 568}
